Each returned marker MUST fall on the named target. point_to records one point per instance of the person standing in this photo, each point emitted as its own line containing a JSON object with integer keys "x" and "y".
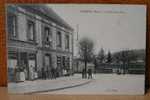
{"x": 16, "y": 73}
{"x": 31, "y": 72}
{"x": 83, "y": 73}
{"x": 43, "y": 73}
{"x": 89, "y": 73}
{"x": 53, "y": 73}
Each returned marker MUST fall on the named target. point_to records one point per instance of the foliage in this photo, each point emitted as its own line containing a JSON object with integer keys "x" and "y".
{"x": 86, "y": 48}
{"x": 101, "y": 56}
{"x": 125, "y": 56}
{"x": 109, "y": 57}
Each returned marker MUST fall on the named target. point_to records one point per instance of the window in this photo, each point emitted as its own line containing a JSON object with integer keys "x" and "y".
{"x": 12, "y": 25}
{"x": 31, "y": 30}
{"x": 58, "y": 60}
{"x": 59, "y": 65}
{"x": 12, "y": 62}
{"x": 13, "y": 55}
{"x": 68, "y": 62}
{"x": 67, "y": 42}
{"x": 58, "y": 39}
{"x": 64, "y": 61}
{"x": 47, "y": 36}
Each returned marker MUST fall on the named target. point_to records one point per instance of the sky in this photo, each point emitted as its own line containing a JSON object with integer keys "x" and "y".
{"x": 112, "y": 27}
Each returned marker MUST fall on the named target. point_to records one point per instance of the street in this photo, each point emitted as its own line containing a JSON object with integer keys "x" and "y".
{"x": 39, "y": 86}
{"x": 100, "y": 84}
{"x": 108, "y": 84}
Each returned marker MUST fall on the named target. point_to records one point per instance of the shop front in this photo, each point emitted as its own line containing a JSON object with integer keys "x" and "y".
{"x": 21, "y": 65}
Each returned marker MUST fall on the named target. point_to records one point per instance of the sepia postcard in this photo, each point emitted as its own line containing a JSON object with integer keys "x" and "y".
{"x": 76, "y": 49}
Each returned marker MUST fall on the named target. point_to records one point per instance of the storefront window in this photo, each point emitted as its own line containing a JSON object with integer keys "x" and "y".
{"x": 59, "y": 62}
{"x": 12, "y": 62}
{"x": 68, "y": 62}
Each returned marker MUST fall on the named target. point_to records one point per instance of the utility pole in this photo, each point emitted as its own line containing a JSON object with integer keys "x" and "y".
{"x": 77, "y": 32}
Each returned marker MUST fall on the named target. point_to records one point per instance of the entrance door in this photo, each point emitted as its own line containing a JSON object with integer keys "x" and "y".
{"x": 48, "y": 65}
{"x": 47, "y": 60}
{"x": 24, "y": 63}
{"x": 32, "y": 65}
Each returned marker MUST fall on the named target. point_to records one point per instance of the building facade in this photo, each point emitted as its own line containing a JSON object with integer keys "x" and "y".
{"x": 38, "y": 39}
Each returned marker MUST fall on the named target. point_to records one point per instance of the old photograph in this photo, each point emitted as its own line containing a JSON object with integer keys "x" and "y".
{"x": 76, "y": 49}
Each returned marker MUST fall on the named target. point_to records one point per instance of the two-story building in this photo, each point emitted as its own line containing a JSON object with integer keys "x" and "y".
{"x": 38, "y": 39}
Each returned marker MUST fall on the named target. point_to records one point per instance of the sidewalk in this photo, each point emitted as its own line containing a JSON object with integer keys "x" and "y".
{"x": 37, "y": 86}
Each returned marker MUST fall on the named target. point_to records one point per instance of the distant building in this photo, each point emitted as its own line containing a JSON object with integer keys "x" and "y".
{"x": 38, "y": 37}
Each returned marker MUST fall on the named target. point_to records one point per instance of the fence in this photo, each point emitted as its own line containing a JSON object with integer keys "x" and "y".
{"x": 121, "y": 68}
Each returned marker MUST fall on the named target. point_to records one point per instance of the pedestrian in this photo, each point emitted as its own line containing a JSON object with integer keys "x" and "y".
{"x": 31, "y": 72}
{"x": 89, "y": 73}
{"x": 16, "y": 73}
{"x": 82, "y": 73}
{"x": 43, "y": 73}
{"x": 26, "y": 73}
{"x": 53, "y": 73}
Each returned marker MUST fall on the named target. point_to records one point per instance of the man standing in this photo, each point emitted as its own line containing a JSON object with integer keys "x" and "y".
{"x": 89, "y": 73}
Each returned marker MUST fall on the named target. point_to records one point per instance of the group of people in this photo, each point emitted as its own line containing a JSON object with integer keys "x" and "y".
{"x": 84, "y": 73}
{"x": 51, "y": 73}
{"x": 21, "y": 73}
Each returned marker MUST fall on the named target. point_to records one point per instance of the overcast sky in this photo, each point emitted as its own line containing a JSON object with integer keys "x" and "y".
{"x": 112, "y": 27}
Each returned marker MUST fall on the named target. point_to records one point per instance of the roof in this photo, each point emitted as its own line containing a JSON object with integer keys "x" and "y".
{"x": 46, "y": 11}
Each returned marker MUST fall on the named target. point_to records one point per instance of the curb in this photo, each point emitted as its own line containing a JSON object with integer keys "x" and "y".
{"x": 62, "y": 88}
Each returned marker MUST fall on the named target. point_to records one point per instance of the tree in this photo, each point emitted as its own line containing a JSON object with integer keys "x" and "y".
{"x": 109, "y": 57}
{"x": 128, "y": 56}
{"x": 101, "y": 56}
{"x": 125, "y": 57}
{"x": 86, "y": 48}
{"x": 95, "y": 63}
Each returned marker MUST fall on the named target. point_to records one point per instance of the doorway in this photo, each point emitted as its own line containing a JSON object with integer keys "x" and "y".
{"x": 24, "y": 63}
{"x": 48, "y": 65}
